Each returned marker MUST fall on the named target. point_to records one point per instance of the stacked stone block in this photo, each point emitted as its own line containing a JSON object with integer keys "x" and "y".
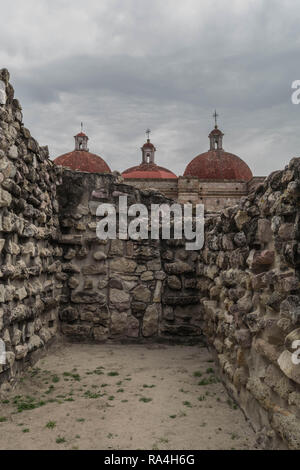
{"x": 250, "y": 294}
{"x": 121, "y": 289}
{"x": 29, "y": 226}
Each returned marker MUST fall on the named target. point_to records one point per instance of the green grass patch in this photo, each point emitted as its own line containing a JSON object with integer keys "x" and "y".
{"x": 145, "y": 399}
{"x": 187, "y": 403}
{"x": 208, "y": 381}
{"x": 27, "y": 403}
{"x": 197, "y": 373}
{"x": 72, "y": 376}
{"x": 51, "y": 425}
{"x": 89, "y": 394}
{"x": 202, "y": 398}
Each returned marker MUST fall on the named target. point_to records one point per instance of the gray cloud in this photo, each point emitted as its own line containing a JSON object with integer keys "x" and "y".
{"x": 121, "y": 66}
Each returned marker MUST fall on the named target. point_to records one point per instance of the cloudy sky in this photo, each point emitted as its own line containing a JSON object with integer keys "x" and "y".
{"x": 121, "y": 66}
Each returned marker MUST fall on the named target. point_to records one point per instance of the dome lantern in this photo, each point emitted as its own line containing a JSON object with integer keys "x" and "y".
{"x": 148, "y": 150}
{"x": 81, "y": 141}
{"x": 148, "y": 169}
{"x": 81, "y": 159}
{"x": 216, "y": 136}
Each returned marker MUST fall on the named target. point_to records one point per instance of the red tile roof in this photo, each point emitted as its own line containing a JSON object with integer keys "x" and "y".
{"x": 220, "y": 165}
{"x": 148, "y": 170}
{"x": 83, "y": 161}
{"x": 81, "y": 134}
{"x": 215, "y": 131}
{"x": 148, "y": 145}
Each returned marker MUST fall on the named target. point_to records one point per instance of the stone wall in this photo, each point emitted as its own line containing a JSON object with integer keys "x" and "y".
{"x": 241, "y": 290}
{"x": 30, "y": 257}
{"x": 121, "y": 289}
{"x": 246, "y": 297}
{"x": 250, "y": 294}
{"x": 166, "y": 186}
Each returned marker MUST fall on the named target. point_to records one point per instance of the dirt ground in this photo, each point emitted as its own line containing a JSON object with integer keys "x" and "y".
{"x": 123, "y": 397}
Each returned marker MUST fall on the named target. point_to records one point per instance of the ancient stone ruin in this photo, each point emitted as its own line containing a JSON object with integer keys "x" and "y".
{"x": 239, "y": 294}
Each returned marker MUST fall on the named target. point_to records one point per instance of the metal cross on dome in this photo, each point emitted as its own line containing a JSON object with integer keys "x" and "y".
{"x": 215, "y": 115}
{"x": 148, "y": 131}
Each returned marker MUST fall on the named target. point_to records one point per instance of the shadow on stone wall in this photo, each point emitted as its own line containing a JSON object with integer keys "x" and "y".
{"x": 122, "y": 289}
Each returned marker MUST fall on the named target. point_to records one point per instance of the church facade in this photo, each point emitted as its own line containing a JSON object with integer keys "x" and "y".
{"x": 216, "y": 178}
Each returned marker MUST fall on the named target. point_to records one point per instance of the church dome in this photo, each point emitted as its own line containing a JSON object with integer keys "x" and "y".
{"x": 216, "y": 164}
{"x": 81, "y": 159}
{"x": 148, "y": 168}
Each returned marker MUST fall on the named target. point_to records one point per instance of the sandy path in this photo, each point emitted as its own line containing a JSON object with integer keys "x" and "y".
{"x": 123, "y": 397}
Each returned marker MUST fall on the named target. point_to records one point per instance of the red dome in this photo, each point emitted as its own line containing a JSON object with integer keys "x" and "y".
{"x": 148, "y": 145}
{"x": 148, "y": 170}
{"x": 216, "y": 131}
{"x": 218, "y": 165}
{"x": 81, "y": 134}
{"x": 83, "y": 160}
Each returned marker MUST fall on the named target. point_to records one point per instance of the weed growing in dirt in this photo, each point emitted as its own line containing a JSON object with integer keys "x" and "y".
{"x": 72, "y": 376}
{"x": 188, "y": 404}
{"x": 208, "y": 381}
{"x": 202, "y": 398}
{"x": 51, "y": 424}
{"x": 145, "y": 400}
{"x": 89, "y": 394}
{"x": 197, "y": 373}
{"x": 27, "y": 403}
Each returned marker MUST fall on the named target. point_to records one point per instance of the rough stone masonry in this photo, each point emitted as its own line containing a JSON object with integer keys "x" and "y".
{"x": 241, "y": 291}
